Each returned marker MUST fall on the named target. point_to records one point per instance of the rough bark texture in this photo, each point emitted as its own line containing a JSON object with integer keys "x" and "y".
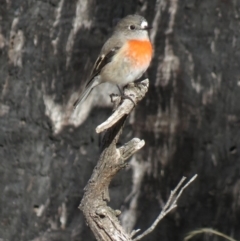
{"x": 101, "y": 218}
{"x": 189, "y": 119}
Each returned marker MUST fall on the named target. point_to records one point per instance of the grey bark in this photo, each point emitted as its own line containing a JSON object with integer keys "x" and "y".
{"x": 100, "y": 217}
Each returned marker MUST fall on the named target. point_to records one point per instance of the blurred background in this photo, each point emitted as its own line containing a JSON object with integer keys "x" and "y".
{"x": 189, "y": 119}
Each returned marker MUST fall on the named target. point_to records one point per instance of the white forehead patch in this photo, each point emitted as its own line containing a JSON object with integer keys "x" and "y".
{"x": 144, "y": 24}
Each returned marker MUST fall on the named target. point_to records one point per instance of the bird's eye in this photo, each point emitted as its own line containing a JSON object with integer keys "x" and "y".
{"x": 132, "y": 27}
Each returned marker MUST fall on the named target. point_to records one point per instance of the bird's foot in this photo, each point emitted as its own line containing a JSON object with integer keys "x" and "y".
{"x": 129, "y": 98}
{"x": 123, "y": 96}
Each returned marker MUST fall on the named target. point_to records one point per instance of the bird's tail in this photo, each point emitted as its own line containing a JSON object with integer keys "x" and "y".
{"x": 85, "y": 93}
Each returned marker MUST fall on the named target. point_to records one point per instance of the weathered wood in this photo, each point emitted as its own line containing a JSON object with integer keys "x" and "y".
{"x": 102, "y": 219}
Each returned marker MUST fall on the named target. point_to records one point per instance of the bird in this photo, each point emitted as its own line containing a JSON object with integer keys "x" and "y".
{"x": 124, "y": 57}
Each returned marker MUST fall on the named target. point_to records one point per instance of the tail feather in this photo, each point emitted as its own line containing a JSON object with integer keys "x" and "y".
{"x": 85, "y": 93}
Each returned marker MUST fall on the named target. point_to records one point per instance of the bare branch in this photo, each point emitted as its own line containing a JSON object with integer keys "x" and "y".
{"x": 127, "y": 105}
{"x": 131, "y": 147}
{"x": 101, "y": 218}
{"x": 169, "y": 206}
{"x": 207, "y": 230}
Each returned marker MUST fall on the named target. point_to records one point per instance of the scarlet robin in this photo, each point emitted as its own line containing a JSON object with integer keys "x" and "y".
{"x": 124, "y": 57}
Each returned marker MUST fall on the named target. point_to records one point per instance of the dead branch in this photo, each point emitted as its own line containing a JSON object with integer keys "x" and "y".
{"x": 102, "y": 219}
{"x": 136, "y": 94}
{"x": 168, "y": 207}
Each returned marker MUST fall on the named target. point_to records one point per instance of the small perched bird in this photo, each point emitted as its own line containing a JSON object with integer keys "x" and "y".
{"x": 124, "y": 57}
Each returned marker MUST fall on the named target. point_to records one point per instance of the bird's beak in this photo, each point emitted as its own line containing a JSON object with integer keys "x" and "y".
{"x": 147, "y": 28}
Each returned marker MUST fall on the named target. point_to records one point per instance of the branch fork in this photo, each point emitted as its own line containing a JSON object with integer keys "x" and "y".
{"x": 102, "y": 219}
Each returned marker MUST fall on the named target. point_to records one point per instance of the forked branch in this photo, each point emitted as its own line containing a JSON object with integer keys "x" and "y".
{"x": 168, "y": 207}
{"x": 102, "y": 219}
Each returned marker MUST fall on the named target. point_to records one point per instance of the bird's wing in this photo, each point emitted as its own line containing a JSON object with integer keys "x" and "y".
{"x": 102, "y": 61}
